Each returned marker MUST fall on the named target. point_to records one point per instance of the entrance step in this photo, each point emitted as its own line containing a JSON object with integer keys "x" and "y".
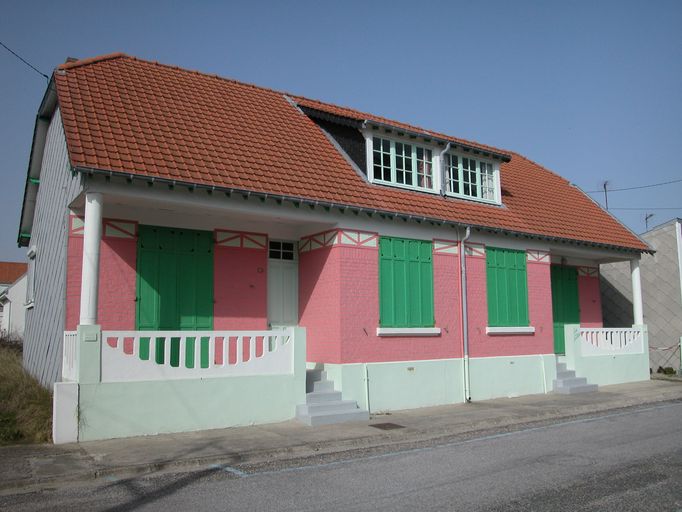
{"x": 566, "y": 382}
{"x": 323, "y": 405}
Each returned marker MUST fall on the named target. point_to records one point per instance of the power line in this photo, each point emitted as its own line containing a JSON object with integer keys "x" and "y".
{"x": 634, "y": 188}
{"x": 24, "y": 61}
{"x": 647, "y": 208}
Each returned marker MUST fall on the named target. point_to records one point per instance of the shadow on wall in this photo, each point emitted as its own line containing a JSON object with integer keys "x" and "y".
{"x": 616, "y": 307}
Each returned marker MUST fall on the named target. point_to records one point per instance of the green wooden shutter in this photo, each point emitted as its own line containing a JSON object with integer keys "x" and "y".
{"x": 565, "y": 302}
{"x": 405, "y": 283}
{"x": 175, "y": 279}
{"x": 507, "y": 287}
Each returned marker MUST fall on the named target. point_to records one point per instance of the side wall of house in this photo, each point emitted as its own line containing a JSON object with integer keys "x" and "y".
{"x": 45, "y": 320}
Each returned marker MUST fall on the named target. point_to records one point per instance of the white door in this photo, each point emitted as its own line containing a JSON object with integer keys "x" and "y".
{"x": 282, "y": 283}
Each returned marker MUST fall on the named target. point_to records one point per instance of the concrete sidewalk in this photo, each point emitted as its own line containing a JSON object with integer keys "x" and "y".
{"x": 249, "y": 447}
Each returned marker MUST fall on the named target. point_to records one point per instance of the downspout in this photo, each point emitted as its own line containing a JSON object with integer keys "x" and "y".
{"x": 441, "y": 160}
{"x": 464, "y": 314}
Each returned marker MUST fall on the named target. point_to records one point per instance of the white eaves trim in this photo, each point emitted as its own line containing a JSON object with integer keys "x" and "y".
{"x": 509, "y": 330}
{"x": 408, "y": 331}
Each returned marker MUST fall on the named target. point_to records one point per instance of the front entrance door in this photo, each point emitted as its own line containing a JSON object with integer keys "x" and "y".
{"x": 565, "y": 306}
{"x": 282, "y": 283}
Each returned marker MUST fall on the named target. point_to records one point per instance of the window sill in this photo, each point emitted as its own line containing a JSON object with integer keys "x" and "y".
{"x": 408, "y": 331}
{"x": 493, "y": 331}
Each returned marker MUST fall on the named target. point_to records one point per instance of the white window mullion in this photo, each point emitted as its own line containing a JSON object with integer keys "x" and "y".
{"x": 394, "y": 178}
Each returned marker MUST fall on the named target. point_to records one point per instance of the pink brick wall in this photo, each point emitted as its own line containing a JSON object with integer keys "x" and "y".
{"x": 539, "y": 309}
{"x": 339, "y": 306}
{"x": 117, "y": 283}
{"x": 74, "y": 266}
{"x": 590, "y": 301}
{"x": 240, "y": 286}
{"x": 240, "y": 289}
{"x": 319, "y": 304}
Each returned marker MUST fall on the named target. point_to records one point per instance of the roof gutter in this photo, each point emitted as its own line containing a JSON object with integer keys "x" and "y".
{"x": 353, "y": 208}
{"x": 42, "y": 123}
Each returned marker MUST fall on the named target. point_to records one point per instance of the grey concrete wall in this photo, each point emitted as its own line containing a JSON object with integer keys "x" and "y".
{"x": 45, "y": 320}
{"x": 660, "y": 293}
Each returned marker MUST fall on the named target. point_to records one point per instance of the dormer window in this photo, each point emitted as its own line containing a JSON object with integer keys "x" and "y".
{"x": 402, "y": 163}
{"x": 418, "y": 163}
{"x": 471, "y": 178}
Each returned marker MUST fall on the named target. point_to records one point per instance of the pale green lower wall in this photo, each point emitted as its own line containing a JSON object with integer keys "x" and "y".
{"x": 413, "y": 384}
{"x": 399, "y": 385}
{"x": 511, "y": 376}
{"x": 110, "y": 410}
{"x": 607, "y": 369}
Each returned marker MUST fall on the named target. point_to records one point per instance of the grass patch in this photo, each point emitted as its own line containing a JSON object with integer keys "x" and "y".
{"x": 25, "y": 406}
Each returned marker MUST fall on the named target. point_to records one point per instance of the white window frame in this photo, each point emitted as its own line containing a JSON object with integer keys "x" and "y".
{"x": 414, "y": 143}
{"x": 31, "y": 278}
{"x": 497, "y": 194}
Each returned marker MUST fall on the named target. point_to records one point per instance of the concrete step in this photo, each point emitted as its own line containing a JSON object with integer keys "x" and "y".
{"x": 584, "y": 388}
{"x": 561, "y": 367}
{"x": 567, "y": 383}
{"x": 315, "y": 408}
{"x": 322, "y": 396}
{"x": 319, "y": 385}
{"x": 315, "y": 375}
{"x": 565, "y": 374}
{"x": 328, "y": 418}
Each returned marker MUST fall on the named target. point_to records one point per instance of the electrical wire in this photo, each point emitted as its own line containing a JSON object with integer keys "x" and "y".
{"x": 645, "y": 208}
{"x": 24, "y": 61}
{"x": 601, "y": 191}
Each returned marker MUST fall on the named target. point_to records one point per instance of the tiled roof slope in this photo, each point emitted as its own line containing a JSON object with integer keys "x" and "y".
{"x": 10, "y": 271}
{"x": 139, "y": 117}
{"x": 364, "y": 116}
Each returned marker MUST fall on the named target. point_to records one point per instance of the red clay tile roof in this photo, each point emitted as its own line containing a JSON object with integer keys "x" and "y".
{"x": 11, "y": 271}
{"x": 364, "y": 116}
{"x": 139, "y": 117}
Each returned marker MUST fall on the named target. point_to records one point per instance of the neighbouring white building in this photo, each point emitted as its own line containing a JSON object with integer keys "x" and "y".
{"x": 12, "y": 301}
{"x": 661, "y": 289}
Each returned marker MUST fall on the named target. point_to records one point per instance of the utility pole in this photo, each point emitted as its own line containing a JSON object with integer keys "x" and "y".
{"x": 606, "y": 195}
{"x": 647, "y": 216}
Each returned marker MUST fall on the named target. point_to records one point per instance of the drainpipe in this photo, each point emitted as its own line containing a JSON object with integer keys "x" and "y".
{"x": 441, "y": 161}
{"x": 465, "y": 314}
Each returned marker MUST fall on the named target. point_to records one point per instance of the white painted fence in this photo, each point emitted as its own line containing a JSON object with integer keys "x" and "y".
{"x": 602, "y": 341}
{"x": 69, "y": 354}
{"x": 225, "y": 354}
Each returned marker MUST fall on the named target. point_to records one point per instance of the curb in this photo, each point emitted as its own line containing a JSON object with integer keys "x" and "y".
{"x": 400, "y": 440}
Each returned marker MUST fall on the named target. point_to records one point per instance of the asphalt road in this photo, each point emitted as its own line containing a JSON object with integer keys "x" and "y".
{"x": 630, "y": 460}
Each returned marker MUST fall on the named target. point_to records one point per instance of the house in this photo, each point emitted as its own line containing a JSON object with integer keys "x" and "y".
{"x": 12, "y": 308}
{"x": 661, "y": 291}
{"x": 12, "y": 295}
{"x": 198, "y": 243}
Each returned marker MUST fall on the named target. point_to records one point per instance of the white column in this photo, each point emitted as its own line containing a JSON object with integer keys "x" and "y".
{"x": 637, "y": 311}
{"x": 92, "y": 235}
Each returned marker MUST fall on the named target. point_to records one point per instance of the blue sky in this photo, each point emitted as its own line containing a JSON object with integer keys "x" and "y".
{"x": 592, "y": 90}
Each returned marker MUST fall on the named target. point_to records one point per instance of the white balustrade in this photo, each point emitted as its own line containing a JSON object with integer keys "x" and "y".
{"x": 133, "y": 356}
{"x": 603, "y": 341}
{"x": 69, "y": 348}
